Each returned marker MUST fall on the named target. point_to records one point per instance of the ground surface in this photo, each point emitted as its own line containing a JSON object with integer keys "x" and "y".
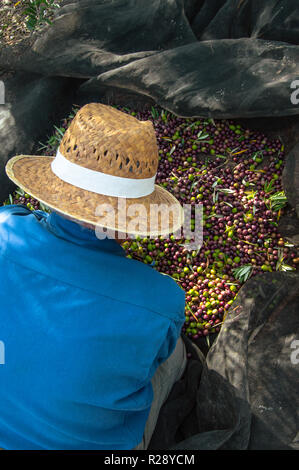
{"x": 13, "y": 21}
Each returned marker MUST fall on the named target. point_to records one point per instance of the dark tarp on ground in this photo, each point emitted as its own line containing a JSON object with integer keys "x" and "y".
{"x": 196, "y": 58}
{"x": 244, "y": 393}
{"x": 225, "y": 59}
{"x": 218, "y": 58}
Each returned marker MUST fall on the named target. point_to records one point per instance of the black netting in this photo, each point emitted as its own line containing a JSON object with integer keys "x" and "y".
{"x": 246, "y": 394}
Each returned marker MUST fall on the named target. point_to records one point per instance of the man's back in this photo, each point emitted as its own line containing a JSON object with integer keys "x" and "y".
{"x": 84, "y": 330}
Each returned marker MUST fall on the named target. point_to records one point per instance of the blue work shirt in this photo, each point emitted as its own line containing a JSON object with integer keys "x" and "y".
{"x": 83, "y": 329}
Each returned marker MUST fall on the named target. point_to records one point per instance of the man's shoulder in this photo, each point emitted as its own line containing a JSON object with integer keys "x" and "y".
{"x": 141, "y": 285}
{"x": 7, "y": 212}
{"x": 102, "y": 273}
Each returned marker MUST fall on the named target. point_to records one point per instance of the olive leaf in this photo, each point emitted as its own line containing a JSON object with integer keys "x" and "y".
{"x": 38, "y": 12}
{"x": 172, "y": 150}
{"x": 278, "y": 200}
{"x": 243, "y": 273}
{"x": 154, "y": 112}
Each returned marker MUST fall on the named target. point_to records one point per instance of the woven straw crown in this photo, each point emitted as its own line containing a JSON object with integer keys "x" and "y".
{"x": 104, "y": 139}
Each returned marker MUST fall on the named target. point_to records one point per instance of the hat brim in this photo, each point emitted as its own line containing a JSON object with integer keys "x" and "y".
{"x": 159, "y": 213}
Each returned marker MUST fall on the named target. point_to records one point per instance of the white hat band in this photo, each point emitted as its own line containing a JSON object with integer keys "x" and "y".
{"x": 101, "y": 183}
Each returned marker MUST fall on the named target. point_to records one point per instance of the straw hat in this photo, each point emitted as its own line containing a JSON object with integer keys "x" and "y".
{"x": 106, "y": 164}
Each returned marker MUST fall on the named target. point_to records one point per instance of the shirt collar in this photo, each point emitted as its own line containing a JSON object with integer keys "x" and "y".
{"x": 79, "y": 235}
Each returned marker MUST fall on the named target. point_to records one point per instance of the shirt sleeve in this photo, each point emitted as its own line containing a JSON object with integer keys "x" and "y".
{"x": 170, "y": 342}
{"x": 176, "y": 320}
